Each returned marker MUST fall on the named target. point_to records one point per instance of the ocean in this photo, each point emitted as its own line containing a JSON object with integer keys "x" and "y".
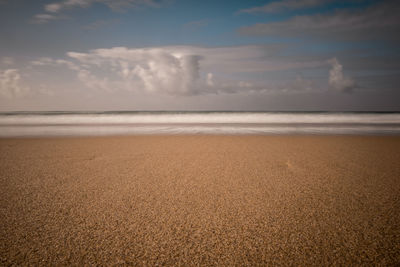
{"x": 65, "y": 123}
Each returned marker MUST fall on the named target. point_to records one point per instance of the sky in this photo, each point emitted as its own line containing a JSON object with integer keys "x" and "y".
{"x": 279, "y": 55}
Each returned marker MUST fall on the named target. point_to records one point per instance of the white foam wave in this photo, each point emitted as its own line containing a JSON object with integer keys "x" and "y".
{"x": 201, "y": 118}
{"x": 198, "y": 123}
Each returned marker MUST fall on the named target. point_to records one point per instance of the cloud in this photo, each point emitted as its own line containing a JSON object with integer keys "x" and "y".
{"x": 11, "y": 85}
{"x": 278, "y": 6}
{"x": 192, "y": 70}
{"x": 46, "y": 61}
{"x": 337, "y": 79}
{"x": 245, "y": 59}
{"x": 379, "y": 21}
{"x": 155, "y": 70}
{"x": 54, "y": 9}
{"x": 166, "y": 70}
{"x": 180, "y": 70}
{"x": 113, "y": 4}
{"x": 299, "y": 84}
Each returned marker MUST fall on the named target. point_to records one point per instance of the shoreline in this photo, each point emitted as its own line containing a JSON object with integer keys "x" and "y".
{"x": 200, "y": 135}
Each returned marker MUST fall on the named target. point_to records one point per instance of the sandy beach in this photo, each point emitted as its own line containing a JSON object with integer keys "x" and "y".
{"x": 200, "y": 200}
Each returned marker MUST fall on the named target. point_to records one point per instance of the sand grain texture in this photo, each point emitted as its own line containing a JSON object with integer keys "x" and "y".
{"x": 200, "y": 200}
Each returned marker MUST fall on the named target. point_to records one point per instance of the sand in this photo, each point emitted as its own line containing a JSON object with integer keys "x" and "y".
{"x": 200, "y": 200}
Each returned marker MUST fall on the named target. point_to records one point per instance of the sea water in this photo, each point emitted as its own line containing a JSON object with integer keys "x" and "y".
{"x": 63, "y": 123}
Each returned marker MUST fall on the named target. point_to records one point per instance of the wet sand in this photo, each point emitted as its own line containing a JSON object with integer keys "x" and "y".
{"x": 200, "y": 200}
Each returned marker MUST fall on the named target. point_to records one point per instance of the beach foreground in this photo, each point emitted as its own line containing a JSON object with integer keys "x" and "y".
{"x": 200, "y": 200}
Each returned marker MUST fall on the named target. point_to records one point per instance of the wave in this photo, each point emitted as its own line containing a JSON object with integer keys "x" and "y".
{"x": 197, "y": 118}
{"x": 111, "y": 123}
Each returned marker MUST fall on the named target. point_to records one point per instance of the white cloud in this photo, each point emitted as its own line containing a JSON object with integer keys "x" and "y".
{"x": 46, "y": 61}
{"x": 168, "y": 73}
{"x": 337, "y": 79}
{"x": 190, "y": 70}
{"x": 54, "y": 9}
{"x": 377, "y": 21}
{"x": 181, "y": 70}
{"x": 11, "y": 85}
{"x": 95, "y": 82}
{"x": 155, "y": 70}
{"x": 278, "y": 6}
{"x": 58, "y": 6}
